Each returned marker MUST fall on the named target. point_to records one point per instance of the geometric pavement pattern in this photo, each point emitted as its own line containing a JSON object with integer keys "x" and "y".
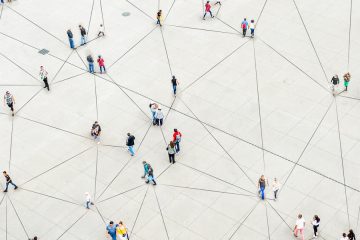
{"x": 245, "y": 106}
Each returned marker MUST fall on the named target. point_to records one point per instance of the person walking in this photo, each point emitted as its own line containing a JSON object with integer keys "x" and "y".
{"x": 299, "y": 226}
{"x": 344, "y": 237}
{"x": 122, "y": 231}
{"x": 159, "y": 117}
{"x": 252, "y": 27}
{"x": 244, "y": 26}
{"x": 177, "y": 139}
{"x": 43, "y": 76}
{"x": 130, "y": 142}
{"x": 315, "y": 223}
{"x": 276, "y": 187}
{"x": 96, "y": 131}
{"x": 335, "y": 81}
{"x": 90, "y": 61}
{"x": 101, "y": 30}
{"x": 146, "y": 169}
{"x": 71, "y": 38}
{"x": 153, "y": 107}
{"x": 261, "y": 185}
{"x": 111, "y": 230}
{"x": 8, "y": 181}
{"x": 150, "y": 177}
{"x": 158, "y": 17}
{"x": 207, "y": 10}
{"x": 347, "y": 77}
{"x": 101, "y": 63}
{"x": 10, "y": 101}
{"x": 171, "y": 152}
{"x": 88, "y": 200}
{"x": 174, "y": 83}
{"x": 218, "y": 2}
{"x": 83, "y": 35}
{"x": 351, "y": 235}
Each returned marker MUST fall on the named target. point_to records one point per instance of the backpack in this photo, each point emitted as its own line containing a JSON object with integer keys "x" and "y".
{"x": 243, "y": 26}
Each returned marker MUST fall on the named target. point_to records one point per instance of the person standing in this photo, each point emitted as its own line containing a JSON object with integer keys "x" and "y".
{"x": 88, "y": 200}
{"x": 299, "y": 226}
{"x": 347, "y": 77}
{"x": 101, "y": 63}
{"x": 207, "y": 10}
{"x": 159, "y": 117}
{"x": 261, "y": 185}
{"x": 252, "y": 27}
{"x": 146, "y": 169}
{"x": 43, "y": 76}
{"x": 71, "y": 38}
{"x": 177, "y": 139}
{"x": 351, "y": 235}
{"x": 150, "y": 177}
{"x": 8, "y": 181}
{"x": 90, "y": 61}
{"x": 335, "y": 81}
{"x": 244, "y": 26}
{"x": 111, "y": 230}
{"x": 83, "y": 35}
{"x": 174, "y": 83}
{"x": 96, "y": 131}
{"x": 101, "y": 31}
{"x": 276, "y": 187}
{"x": 130, "y": 142}
{"x": 315, "y": 223}
{"x": 10, "y": 101}
{"x": 158, "y": 17}
{"x": 344, "y": 237}
{"x": 171, "y": 152}
{"x": 153, "y": 107}
{"x": 122, "y": 231}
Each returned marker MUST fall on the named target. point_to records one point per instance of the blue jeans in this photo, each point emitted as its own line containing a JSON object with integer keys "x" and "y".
{"x": 87, "y": 204}
{"x": 82, "y": 40}
{"x": 177, "y": 146}
{"x": 71, "y": 41}
{"x": 7, "y": 185}
{"x": 113, "y": 236}
{"x": 131, "y": 150}
{"x": 91, "y": 67}
{"x": 252, "y": 31}
{"x": 174, "y": 89}
{"x": 262, "y": 191}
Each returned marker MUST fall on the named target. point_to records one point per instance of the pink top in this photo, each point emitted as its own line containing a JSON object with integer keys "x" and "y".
{"x": 207, "y": 7}
{"x": 101, "y": 61}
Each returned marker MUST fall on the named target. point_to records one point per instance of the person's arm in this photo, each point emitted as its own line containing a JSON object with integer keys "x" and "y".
{"x": 13, "y": 99}
{"x": 177, "y": 82}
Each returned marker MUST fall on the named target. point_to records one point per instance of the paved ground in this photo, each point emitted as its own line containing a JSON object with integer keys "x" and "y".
{"x": 246, "y": 107}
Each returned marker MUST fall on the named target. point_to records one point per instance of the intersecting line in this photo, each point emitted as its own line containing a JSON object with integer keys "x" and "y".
{"x": 306, "y": 146}
{"x": 41, "y": 88}
{"x": 17, "y": 215}
{"x": 228, "y": 25}
{"x": 91, "y": 13}
{"x": 129, "y": 190}
{"x": 61, "y": 66}
{"x": 96, "y": 98}
{"x": 102, "y": 15}
{"x": 261, "y": 12}
{"x": 49, "y": 196}
{"x": 11, "y": 143}
{"x": 279, "y": 215}
{"x": 96, "y": 170}
{"x": 6, "y": 218}
{"x": 200, "y": 29}
{"x": 354, "y": 98}
{"x": 169, "y": 10}
{"x": 349, "y": 43}
{"x": 166, "y": 51}
{"x": 140, "y": 10}
{"x": 267, "y": 221}
{"x": 68, "y": 78}
{"x": 161, "y": 214}
{"x": 99, "y": 213}
{"x": 73, "y": 224}
{"x": 86, "y": 67}
{"x": 138, "y": 213}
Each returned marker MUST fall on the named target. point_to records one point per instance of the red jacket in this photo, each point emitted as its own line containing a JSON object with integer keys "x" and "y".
{"x": 207, "y": 7}
{"x": 101, "y": 62}
{"x": 175, "y": 134}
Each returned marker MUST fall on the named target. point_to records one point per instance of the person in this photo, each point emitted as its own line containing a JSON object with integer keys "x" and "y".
{"x": 174, "y": 83}
{"x": 150, "y": 177}
{"x": 335, "y": 81}
{"x": 153, "y": 107}
{"x": 351, "y": 235}
{"x": 315, "y": 223}
{"x": 207, "y": 10}
{"x": 177, "y": 139}
{"x": 159, "y": 117}
{"x": 146, "y": 169}
{"x": 122, "y": 231}
{"x": 276, "y": 187}
{"x": 8, "y": 181}
{"x": 111, "y": 230}
{"x": 299, "y": 226}
{"x": 171, "y": 151}
{"x": 244, "y": 26}
{"x": 88, "y": 200}
{"x": 218, "y": 2}
{"x": 252, "y": 27}
{"x": 344, "y": 237}
{"x": 43, "y": 76}
{"x": 130, "y": 142}
{"x": 101, "y": 30}
{"x": 347, "y": 77}
{"x": 10, "y": 101}
{"x": 90, "y": 61}
{"x": 71, "y": 38}
{"x": 96, "y": 131}
{"x": 101, "y": 63}
{"x": 261, "y": 185}
{"x": 34, "y": 238}
{"x": 83, "y": 35}
{"x": 158, "y": 17}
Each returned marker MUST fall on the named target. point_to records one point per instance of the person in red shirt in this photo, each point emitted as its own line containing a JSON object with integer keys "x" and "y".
{"x": 207, "y": 9}
{"x": 177, "y": 139}
{"x": 101, "y": 63}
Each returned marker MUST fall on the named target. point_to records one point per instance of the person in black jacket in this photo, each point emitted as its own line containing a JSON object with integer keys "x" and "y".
{"x": 90, "y": 61}
{"x": 130, "y": 142}
{"x": 71, "y": 38}
{"x": 83, "y": 35}
{"x": 335, "y": 81}
{"x": 351, "y": 235}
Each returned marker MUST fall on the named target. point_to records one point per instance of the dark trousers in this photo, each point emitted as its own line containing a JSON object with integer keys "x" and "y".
{"x": 174, "y": 89}
{"x": 11, "y": 106}
{"x": 208, "y": 12}
{"x": 102, "y": 69}
{"x": 275, "y": 194}
{"x": 159, "y": 122}
{"x": 158, "y": 22}
{"x": 172, "y": 158}
{"x": 7, "y": 185}
{"x": 46, "y": 83}
{"x": 177, "y": 146}
{"x": 315, "y": 230}
{"x": 244, "y": 32}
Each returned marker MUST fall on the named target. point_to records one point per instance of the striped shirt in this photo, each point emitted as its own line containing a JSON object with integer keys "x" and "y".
{"x": 8, "y": 98}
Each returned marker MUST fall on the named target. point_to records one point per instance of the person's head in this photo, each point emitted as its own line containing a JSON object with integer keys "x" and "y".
{"x": 172, "y": 144}
{"x": 175, "y": 130}
{"x": 99, "y": 56}
{"x": 208, "y": 2}
{"x": 111, "y": 223}
{"x": 80, "y": 26}
{"x": 4, "y": 173}
{"x": 336, "y": 75}
{"x": 41, "y": 67}
{"x": 300, "y": 215}
{"x": 128, "y": 134}
{"x": 316, "y": 217}
{"x": 101, "y": 25}
{"x": 252, "y": 21}
{"x": 159, "y": 109}
{"x": 262, "y": 177}
{"x": 35, "y": 238}
{"x": 351, "y": 231}
{"x": 7, "y": 92}
{"x": 96, "y": 122}
{"x": 144, "y": 162}
{"x": 244, "y": 19}
{"x": 173, "y": 77}
{"x": 120, "y": 223}
{"x": 344, "y": 234}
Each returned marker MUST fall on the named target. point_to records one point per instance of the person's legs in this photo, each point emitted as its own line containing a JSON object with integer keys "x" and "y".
{"x": 211, "y": 14}
{"x": 11, "y": 106}
{"x": 46, "y": 84}
{"x": 177, "y": 146}
{"x": 170, "y": 157}
{"x": 262, "y": 189}
{"x": 71, "y": 41}
{"x": 302, "y": 234}
{"x": 153, "y": 180}
{"x": 7, "y": 186}
{"x": 275, "y": 194}
{"x": 174, "y": 89}
{"x": 252, "y": 32}
{"x": 104, "y": 69}
{"x": 161, "y": 122}
{"x": 14, "y": 185}
{"x": 315, "y": 230}
{"x": 131, "y": 150}
{"x": 204, "y": 15}
{"x": 157, "y": 121}
{"x": 173, "y": 158}
{"x": 87, "y": 204}
{"x": 91, "y": 67}
{"x": 296, "y": 232}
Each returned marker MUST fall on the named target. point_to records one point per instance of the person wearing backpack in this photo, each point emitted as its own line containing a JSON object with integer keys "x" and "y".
{"x": 71, "y": 38}
{"x": 130, "y": 142}
{"x": 177, "y": 139}
{"x": 244, "y": 26}
{"x": 171, "y": 151}
{"x": 150, "y": 176}
{"x": 90, "y": 61}
{"x": 83, "y": 35}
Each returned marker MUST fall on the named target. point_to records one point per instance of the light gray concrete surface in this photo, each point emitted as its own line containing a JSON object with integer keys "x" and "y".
{"x": 245, "y": 106}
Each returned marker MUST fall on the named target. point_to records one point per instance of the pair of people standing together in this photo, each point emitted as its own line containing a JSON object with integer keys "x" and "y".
{"x": 174, "y": 145}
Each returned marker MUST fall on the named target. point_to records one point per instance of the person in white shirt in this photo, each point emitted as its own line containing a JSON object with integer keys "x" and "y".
{"x": 88, "y": 200}
{"x": 299, "y": 226}
{"x": 101, "y": 30}
{"x": 153, "y": 107}
{"x": 344, "y": 237}
{"x": 316, "y": 224}
{"x": 252, "y": 27}
{"x": 276, "y": 187}
{"x": 159, "y": 117}
{"x": 43, "y": 76}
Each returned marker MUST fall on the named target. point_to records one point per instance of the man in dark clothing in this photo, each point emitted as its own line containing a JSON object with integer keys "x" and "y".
{"x": 130, "y": 142}
{"x": 174, "y": 83}
{"x": 90, "y": 61}
{"x": 335, "y": 81}
{"x": 71, "y": 38}
{"x": 83, "y": 35}
{"x": 8, "y": 181}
